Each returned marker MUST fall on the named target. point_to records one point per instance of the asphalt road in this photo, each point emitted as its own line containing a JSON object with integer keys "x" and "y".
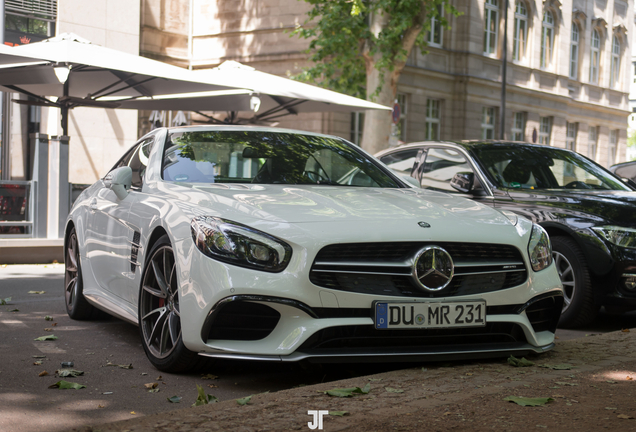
{"x": 98, "y": 348}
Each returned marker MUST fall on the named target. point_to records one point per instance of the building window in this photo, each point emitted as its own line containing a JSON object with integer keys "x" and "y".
{"x": 595, "y": 47}
{"x": 401, "y": 126}
{"x": 435, "y": 33}
{"x": 547, "y": 39}
{"x": 357, "y": 126}
{"x": 488, "y": 123}
{"x": 592, "y": 140}
{"x": 521, "y": 31}
{"x": 613, "y": 144}
{"x": 432, "y": 119}
{"x": 616, "y": 62}
{"x": 570, "y": 136}
{"x": 491, "y": 21}
{"x": 574, "y": 52}
{"x": 518, "y": 127}
{"x": 545, "y": 129}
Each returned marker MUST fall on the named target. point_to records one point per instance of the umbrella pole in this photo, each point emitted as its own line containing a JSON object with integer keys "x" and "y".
{"x": 64, "y": 110}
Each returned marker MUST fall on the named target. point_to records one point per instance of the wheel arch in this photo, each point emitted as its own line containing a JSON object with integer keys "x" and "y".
{"x": 598, "y": 261}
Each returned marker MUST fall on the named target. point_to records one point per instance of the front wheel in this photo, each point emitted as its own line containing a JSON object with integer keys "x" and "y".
{"x": 77, "y": 307}
{"x": 160, "y": 313}
{"x": 579, "y": 308}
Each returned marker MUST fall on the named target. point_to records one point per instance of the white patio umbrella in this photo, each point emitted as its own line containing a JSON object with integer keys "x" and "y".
{"x": 80, "y": 73}
{"x": 259, "y": 95}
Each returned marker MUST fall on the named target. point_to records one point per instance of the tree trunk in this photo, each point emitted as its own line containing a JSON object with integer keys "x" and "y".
{"x": 377, "y": 123}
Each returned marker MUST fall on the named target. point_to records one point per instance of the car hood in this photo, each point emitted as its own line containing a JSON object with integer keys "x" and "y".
{"x": 312, "y": 204}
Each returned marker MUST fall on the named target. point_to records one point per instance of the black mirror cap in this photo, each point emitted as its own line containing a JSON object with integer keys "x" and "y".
{"x": 463, "y": 181}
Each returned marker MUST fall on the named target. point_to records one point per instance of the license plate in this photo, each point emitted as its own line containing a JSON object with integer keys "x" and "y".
{"x": 415, "y": 315}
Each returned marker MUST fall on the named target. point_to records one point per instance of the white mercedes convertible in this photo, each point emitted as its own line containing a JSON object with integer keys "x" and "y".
{"x": 272, "y": 244}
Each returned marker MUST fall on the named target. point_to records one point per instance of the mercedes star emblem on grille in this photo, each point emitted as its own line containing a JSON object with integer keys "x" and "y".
{"x": 433, "y": 268}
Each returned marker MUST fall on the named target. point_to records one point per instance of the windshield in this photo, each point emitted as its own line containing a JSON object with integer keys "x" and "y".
{"x": 515, "y": 166}
{"x": 265, "y": 157}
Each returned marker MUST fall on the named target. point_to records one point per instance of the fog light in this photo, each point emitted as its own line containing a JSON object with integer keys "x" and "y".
{"x": 630, "y": 283}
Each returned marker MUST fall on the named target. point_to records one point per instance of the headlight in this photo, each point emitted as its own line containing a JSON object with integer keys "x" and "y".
{"x": 620, "y": 236}
{"x": 239, "y": 244}
{"x": 539, "y": 248}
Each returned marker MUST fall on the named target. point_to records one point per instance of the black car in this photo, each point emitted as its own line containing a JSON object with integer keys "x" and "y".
{"x": 589, "y": 213}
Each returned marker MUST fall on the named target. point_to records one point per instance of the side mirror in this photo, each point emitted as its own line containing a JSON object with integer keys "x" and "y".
{"x": 463, "y": 181}
{"x": 119, "y": 181}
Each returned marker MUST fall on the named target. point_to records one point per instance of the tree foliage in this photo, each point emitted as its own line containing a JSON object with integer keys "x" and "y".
{"x": 345, "y": 43}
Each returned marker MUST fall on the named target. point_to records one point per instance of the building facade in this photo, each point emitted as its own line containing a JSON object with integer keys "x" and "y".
{"x": 568, "y": 73}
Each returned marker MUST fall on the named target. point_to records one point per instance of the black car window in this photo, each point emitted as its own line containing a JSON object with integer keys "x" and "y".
{"x": 267, "y": 157}
{"x": 402, "y": 162}
{"x": 439, "y": 167}
{"x": 515, "y": 166}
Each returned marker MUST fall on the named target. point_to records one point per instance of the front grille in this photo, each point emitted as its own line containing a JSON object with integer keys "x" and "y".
{"x": 386, "y": 268}
{"x": 242, "y": 320}
{"x": 365, "y": 337}
{"x": 544, "y": 314}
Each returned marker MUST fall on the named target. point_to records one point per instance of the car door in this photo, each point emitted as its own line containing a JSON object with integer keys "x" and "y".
{"x": 109, "y": 232}
{"x": 139, "y": 215}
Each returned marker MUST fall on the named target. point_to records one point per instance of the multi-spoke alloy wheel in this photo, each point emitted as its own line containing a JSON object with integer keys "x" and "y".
{"x": 566, "y": 274}
{"x": 579, "y": 307}
{"x": 160, "y": 313}
{"x": 76, "y": 305}
{"x": 160, "y": 318}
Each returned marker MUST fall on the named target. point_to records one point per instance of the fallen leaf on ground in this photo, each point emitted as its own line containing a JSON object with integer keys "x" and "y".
{"x": 208, "y": 376}
{"x": 628, "y": 378}
{"x": 393, "y": 390}
{"x": 67, "y": 385}
{"x": 525, "y": 401}
{"x": 522, "y": 362}
{"x": 46, "y": 338}
{"x": 624, "y": 416}
{"x": 36, "y": 292}
{"x": 611, "y": 382}
{"x": 54, "y": 324}
{"x": 154, "y": 391}
{"x": 69, "y": 373}
{"x": 5, "y": 301}
{"x": 39, "y": 356}
{"x": 202, "y": 398}
{"x": 48, "y": 329}
{"x": 14, "y": 310}
{"x": 338, "y": 413}
{"x": 348, "y": 392}
{"x": 563, "y": 366}
{"x": 43, "y": 373}
{"x": 122, "y": 366}
{"x": 625, "y": 330}
{"x": 174, "y": 399}
{"x": 213, "y": 386}
{"x": 244, "y": 401}
{"x": 151, "y": 385}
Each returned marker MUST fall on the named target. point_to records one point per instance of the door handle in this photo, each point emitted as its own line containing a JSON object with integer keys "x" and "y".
{"x": 93, "y": 205}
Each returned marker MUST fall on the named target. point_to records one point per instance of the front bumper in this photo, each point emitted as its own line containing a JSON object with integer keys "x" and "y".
{"x": 229, "y": 312}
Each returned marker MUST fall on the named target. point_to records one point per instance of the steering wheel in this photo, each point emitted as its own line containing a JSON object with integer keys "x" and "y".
{"x": 316, "y": 177}
{"x": 577, "y": 184}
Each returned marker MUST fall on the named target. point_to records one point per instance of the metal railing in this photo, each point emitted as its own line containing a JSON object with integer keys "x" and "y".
{"x": 17, "y": 205}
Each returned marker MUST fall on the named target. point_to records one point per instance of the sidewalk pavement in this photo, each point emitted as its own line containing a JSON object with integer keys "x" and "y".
{"x": 591, "y": 382}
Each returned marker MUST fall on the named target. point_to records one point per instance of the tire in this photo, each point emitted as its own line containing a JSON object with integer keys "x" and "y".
{"x": 77, "y": 307}
{"x": 160, "y": 316}
{"x": 579, "y": 308}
